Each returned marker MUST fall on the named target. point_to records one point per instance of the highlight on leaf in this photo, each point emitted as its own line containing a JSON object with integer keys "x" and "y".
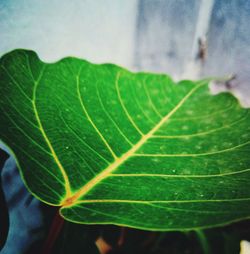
{"x": 114, "y": 147}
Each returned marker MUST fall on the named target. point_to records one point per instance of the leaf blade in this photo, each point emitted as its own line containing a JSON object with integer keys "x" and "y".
{"x": 104, "y": 139}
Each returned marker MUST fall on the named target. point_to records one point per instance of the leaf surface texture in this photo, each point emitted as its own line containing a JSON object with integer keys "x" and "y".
{"x": 133, "y": 149}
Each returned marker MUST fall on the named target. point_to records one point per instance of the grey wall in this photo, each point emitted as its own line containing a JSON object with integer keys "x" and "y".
{"x": 100, "y": 31}
{"x": 168, "y": 32}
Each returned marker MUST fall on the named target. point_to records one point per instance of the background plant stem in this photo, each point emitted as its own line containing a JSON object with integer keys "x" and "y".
{"x": 53, "y": 233}
{"x": 203, "y": 241}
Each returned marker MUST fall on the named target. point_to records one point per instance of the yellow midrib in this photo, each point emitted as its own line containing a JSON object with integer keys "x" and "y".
{"x": 71, "y": 200}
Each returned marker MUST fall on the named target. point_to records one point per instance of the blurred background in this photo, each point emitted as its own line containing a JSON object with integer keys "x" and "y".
{"x": 187, "y": 39}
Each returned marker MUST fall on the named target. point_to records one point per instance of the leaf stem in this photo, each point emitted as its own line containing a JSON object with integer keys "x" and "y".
{"x": 54, "y": 232}
{"x": 203, "y": 241}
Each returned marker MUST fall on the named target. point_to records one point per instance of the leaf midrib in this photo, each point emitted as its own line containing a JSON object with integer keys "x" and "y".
{"x": 118, "y": 161}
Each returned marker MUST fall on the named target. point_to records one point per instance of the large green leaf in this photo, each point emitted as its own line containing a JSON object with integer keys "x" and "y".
{"x": 111, "y": 146}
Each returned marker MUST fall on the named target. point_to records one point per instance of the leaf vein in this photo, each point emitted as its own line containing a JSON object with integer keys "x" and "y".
{"x": 89, "y": 118}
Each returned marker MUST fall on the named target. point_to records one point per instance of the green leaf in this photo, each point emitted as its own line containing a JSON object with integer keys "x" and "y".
{"x": 111, "y": 146}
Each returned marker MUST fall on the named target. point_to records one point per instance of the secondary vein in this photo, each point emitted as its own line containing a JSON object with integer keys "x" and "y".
{"x": 90, "y": 119}
{"x": 62, "y": 170}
